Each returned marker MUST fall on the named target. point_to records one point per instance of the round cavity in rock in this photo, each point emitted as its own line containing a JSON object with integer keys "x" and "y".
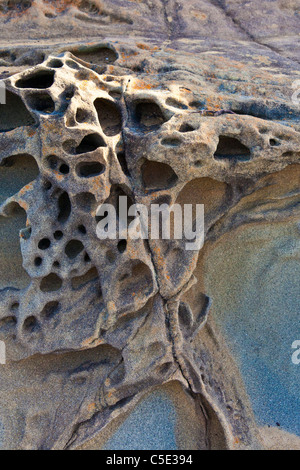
{"x": 58, "y": 235}
{"x": 122, "y": 245}
{"x": 64, "y": 169}
{"x": 73, "y": 248}
{"x": 89, "y": 169}
{"x": 55, "y": 63}
{"x": 82, "y": 229}
{"x": 38, "y": 261}
{"x": 44, "y": 244}
{"x": 51, "y": 283}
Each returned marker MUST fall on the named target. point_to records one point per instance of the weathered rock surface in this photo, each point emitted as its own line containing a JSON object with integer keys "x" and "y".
{"x": 161, "y": 102}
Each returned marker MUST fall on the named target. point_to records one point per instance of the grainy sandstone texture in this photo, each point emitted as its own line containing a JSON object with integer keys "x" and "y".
{"x": 159, "y": 101}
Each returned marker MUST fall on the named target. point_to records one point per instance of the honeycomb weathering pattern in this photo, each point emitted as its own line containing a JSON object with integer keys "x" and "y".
{"x": 90, "y": 137}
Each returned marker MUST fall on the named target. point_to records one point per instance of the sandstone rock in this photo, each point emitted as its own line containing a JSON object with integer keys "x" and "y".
{"x": 159, "y": 102}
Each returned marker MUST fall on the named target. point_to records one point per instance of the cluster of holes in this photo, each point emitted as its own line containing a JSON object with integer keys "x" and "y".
{"x": 56, "y": 163}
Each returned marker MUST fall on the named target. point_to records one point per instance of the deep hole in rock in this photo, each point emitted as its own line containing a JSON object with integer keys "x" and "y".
{"x": 231, "y": 149}
{"x": 51, "y": 283}
{"x": 41, "y": 102}
{"x": 80, "y": 281}
{"x": 50, "y": 310}
{"x": 44, "y": 244}
{"x": 73, "y": 248}
{"x": 14, "y": 113}
{"x": 38, "y": 261}
{"x": 90, "y": 143}
{"x": 157, "y": 175}
{"x": 122, "y": 160}
{"x": 109, "y": 116}
{"x": 122, "y": 245}
{"x": 274, "y": 143}
{"x": 64, "y": 207}
{"x": 64, "y": 169}
{"x": 42, "y": 79}
{"x": 87, "y": 259}
{"x": 148, "y": 115}
{"x": 89, "y": 169}
{"x": 58, "y": 234}
{"x": 82, "y": 229}
{"x": 15, "y": 173}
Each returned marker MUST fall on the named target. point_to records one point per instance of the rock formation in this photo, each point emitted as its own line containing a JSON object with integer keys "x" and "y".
{"x": 159, "y": 102}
